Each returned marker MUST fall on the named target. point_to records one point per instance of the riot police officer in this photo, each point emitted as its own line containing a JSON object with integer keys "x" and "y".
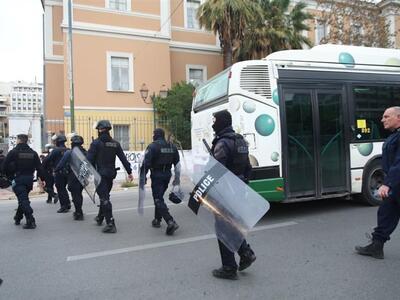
{"x": 61, "y": 177}
{"x": 74, "y": 186}
{"x": 22, "y": 161}
{"x": 159, "y": 157}
{"x": 49, "y": 188}
{"x": 102, "y": 154}
{"x": 231, "y": 150}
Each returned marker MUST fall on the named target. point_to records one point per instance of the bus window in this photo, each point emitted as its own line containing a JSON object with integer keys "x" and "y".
{"x": 214, "y": 89}
{"x": 370, "y": 103}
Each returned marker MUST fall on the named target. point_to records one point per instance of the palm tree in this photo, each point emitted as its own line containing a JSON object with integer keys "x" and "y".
{"x": 228, "y": 19}
{"x": 277, "y": 29}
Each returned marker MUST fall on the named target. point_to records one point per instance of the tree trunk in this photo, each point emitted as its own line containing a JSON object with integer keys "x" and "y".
{"x": 227, "y": 53}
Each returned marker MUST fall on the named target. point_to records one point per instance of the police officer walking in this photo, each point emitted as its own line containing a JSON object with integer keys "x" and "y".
{"x": 159, "y": 157}
{"x": 102, "y": 154}
{"x": 231, "y": 150}
{"x": 61, "y": 177}
{"x": 389, "y": 191}
{"x": 74, "y": 186}
{"x": 49, "y": 188}
{"x": 22, "y": 161}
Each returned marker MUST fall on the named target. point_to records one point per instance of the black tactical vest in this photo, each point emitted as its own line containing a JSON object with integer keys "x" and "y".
{"x": 107, "y": 153}
{"x": 25, "y": 161}
{"x": 57, "y": 156}
{"x": 164, "y": 155}
{"x": 239, "y": 160}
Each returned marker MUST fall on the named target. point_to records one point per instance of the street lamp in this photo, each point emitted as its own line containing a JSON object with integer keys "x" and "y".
{"x": 144, "y": 93}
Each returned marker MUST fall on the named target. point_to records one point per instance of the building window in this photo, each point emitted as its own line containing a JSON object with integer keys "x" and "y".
{"x": 122, "y": 5}
{"x": 191, "y": 14}
{"x": 119, "y": 72}
{"x": 196, "y": 74}
{"x": 121, "y": 134}
{"x": 321, "y": 31}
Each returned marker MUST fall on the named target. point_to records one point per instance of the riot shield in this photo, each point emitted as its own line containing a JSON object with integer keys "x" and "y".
{"x": 142, "y": 188}
{"x": 85, "y": 172}
{"x": 221, "y": 200}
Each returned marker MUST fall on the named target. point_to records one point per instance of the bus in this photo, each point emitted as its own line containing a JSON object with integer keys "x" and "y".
{"x": 312, "y": 119}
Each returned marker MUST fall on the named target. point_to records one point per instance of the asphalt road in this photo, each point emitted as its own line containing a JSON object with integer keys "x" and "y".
{"x": 304, "y": 251}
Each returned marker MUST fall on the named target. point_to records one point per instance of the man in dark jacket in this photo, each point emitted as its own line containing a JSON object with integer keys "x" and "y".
{"x": 74, "y": 186}
{"x": 61, "y": 177}
{"x": 231, "y": 150}
{"x": 101, "y": 155}
{"x": 159, "y": 158}
{"x": 22, "y": 162}
{"x": 389, "y": 210}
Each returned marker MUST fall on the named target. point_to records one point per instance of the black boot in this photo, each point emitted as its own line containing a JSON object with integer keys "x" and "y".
{"x": 110, "y": 227}
{"x": 99, "y": 220}
{"x": 156, "y": 223}
{"x": 30, "y": 223}
{"x": 246, "y": 258}
{"x": 78, "y": 216}
{"x": 172, "y": 227}
{"x": 63, "y": 209}
{"x": 375, "y": 249}
{"x": 225, "y": 273}
{"x": 48, "y": 199}
{"x": 55, "y": 198}
{"x": 17, "y": 219}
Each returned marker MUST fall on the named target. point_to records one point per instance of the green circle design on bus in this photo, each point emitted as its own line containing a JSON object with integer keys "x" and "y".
{"x": 365, "y": 149}
{"x": 275, "y": 97}
{"x": 274, "y": 156}
{"x": 393, "y": 61}
{"x": 249, "y": 107}
{"x": 265, "y": 125}
{"x": 346, "y": 59}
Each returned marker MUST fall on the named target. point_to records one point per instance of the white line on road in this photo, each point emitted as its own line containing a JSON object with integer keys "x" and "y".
{"x": 166, "y": 244}
{"x": 130, "y": 208}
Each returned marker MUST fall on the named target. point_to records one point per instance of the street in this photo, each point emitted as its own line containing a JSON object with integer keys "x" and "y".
{"x": 304, "y": 251}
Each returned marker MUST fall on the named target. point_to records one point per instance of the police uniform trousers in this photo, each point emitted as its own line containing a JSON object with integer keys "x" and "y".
{"x": 103, "y": 190}
{"x": 61, "y": 184}
{"x": 228, "y": 257}
{"x": 159, "y": 184}
{"x": 75, "y": 188}
{"x": 23, "y": 184}
{"x": 388, "y": 218}
{"x": 50, "y": 184}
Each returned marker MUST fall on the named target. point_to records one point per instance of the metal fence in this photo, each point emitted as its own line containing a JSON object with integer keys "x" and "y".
{"x": 134, "y": 133}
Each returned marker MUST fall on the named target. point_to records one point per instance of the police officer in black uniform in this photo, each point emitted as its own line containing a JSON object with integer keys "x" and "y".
{"x": 61, "y": 177}
{"x": 22, "y": 161}
{"x": 389, "y": 191}
{"x": 159, "y": 157}
{"x": 74, "y": 186}
{"x": 102, "y": 154}
{"x": 49, "y": 188}
{"x": 231, "y": 150}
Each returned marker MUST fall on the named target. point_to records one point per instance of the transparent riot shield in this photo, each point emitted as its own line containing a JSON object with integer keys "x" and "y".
{"x": 142, "y": 187}
{"x": 221, "y": 200}
{"x": 85, "y": 172}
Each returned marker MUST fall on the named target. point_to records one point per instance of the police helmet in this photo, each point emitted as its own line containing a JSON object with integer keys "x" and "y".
{"x": 77, "y": 140}
{"x": 103, "y": 124}
{"x": 174, "y": 198}
{"x": 60, "y": 138}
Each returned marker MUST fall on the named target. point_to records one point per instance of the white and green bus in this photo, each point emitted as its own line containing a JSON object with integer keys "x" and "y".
{"x": 311, "y": 118}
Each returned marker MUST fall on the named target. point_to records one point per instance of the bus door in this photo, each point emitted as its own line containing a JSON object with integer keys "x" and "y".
{"x": 314, "y": 152}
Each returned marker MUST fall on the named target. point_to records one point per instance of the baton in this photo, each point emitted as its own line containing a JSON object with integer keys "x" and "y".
{"x": 207, "y": 147}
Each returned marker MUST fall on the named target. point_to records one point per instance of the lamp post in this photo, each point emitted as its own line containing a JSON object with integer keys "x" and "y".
{"x": 144, "y": 93}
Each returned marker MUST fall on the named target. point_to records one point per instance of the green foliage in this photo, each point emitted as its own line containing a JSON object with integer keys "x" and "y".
{"x": 128, "y": 184}
{"x": 176, "y": 110}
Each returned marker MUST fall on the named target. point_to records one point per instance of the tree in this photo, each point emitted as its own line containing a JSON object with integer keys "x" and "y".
{"x": 278, "y": 28}
{"x": 176, "y": 109}
{"x": 358, "y": 22}
{"x": 228, "y": 19}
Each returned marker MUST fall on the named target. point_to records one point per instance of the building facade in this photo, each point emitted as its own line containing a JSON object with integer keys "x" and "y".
{"x": 117, "y": 46}
{"x": 25, "y": 113}
{"x": 5, "y": 95}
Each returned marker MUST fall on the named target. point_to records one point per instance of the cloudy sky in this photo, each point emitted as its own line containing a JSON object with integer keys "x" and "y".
{"x": 21, "y": 49}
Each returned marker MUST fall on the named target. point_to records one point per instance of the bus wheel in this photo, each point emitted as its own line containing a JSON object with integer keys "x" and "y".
{"x": 372, "y": 179}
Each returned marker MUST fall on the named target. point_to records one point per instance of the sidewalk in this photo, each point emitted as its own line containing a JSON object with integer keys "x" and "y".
{"x": 5, "y": 194}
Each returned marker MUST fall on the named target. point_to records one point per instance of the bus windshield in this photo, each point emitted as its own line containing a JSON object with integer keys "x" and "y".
{"x": 214, "y": 89}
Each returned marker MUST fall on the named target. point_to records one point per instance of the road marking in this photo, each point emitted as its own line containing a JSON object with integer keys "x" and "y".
{"x": 167, "y": 243}
{"x": 130, "y": 208}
